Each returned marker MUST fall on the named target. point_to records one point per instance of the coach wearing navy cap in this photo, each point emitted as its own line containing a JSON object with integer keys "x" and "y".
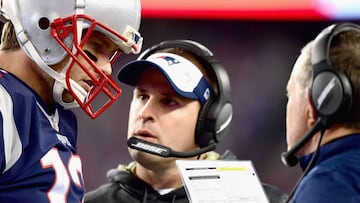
{"x": 183, "y": 75}
{"x": 181, "y": 108}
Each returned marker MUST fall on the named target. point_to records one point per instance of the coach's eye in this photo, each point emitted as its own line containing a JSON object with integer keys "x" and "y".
{"x": 169, "y": 102}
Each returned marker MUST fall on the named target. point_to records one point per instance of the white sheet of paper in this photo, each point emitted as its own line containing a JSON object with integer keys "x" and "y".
{"x": 221, "y": 181}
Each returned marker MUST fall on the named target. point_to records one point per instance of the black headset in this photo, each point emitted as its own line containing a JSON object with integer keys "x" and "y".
{"x": 331, "y": 91}
{"x": 215, "y": 115}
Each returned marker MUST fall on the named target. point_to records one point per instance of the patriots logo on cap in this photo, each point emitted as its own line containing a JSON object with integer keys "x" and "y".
{"x": 170, "y": 60}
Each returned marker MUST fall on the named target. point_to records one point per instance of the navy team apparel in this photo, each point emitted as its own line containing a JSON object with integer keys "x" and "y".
{"x": 335, "y": 177}
{"x": 38, "y": 158}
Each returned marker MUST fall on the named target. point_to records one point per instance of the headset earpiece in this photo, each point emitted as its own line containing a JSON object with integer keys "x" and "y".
{"x": 215, "y": 115}
{"x": 331, "y": 92}
{"x": 202, "y": 136}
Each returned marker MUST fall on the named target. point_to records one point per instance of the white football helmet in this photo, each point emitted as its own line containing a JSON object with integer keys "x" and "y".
{"x": 50, "y": 30}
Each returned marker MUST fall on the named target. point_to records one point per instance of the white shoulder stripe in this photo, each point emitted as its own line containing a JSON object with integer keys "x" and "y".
{"x": 12, "y": 142}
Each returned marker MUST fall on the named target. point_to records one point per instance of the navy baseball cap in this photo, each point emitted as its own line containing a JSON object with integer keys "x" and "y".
{"x": 183, "y": 76}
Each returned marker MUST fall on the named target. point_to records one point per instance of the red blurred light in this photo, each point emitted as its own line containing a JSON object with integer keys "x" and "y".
{"x": 231, "y": 9}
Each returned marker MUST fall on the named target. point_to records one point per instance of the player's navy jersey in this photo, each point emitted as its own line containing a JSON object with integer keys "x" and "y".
{"x": 38, "y": 159}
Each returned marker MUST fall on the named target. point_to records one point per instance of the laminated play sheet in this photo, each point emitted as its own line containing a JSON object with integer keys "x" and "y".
{"x": 220, "y": 181}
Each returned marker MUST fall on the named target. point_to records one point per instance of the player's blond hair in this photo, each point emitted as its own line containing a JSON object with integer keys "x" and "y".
{"x": 8, "y": 37}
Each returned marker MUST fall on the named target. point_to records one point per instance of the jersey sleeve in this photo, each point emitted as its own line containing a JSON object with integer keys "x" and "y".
{"x": 10, "y": 143}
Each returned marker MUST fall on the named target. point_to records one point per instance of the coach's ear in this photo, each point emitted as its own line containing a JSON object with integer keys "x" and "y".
{"x": 310, "y": 111}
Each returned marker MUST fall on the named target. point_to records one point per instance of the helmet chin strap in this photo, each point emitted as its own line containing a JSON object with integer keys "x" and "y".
{"x": 60, "y": 86}
{"x": 60, "y": 81}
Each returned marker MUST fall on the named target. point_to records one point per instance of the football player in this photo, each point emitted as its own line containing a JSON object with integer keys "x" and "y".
{"x": 56, "y": 55}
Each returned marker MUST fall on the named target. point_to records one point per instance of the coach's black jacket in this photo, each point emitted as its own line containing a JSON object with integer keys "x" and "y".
{"x": 125, "y": 187}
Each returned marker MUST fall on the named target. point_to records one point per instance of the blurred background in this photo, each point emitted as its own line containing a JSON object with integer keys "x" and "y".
{"x": 258, "y": 43}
